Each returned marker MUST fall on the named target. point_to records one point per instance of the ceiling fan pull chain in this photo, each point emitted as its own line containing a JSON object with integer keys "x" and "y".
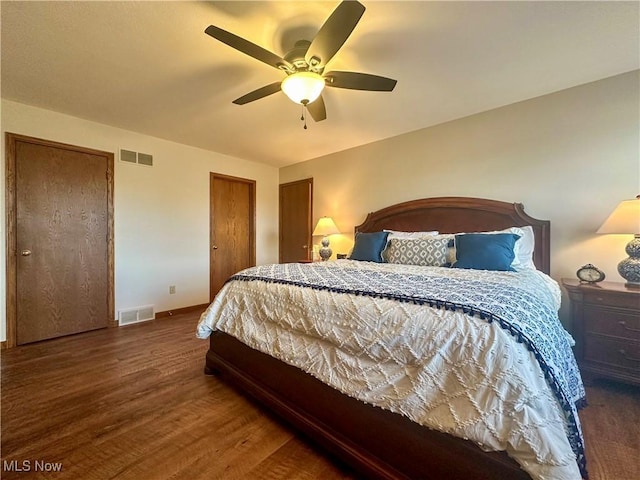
{"x": 302, "y": 116}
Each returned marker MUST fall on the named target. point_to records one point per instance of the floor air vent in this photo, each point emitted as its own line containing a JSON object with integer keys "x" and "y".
{"x": 135, "y": 315}
{"x": 130, "y": 156}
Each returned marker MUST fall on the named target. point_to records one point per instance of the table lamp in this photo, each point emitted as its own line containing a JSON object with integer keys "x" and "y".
{"x": 625, "y": 219}
{"x": 325, "y": 227}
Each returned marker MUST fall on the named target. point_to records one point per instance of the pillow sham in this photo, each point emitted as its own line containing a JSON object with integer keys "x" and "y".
{"x": 430, "y": 251}
{"x": 368, "y": 247}
{"x": 524, "y": 247}
{"x": 399, "y": 234}
{"x": 479, "y": 251}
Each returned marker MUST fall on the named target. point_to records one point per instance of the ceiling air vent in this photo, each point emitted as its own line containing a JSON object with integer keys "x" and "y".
{"x": 130, "y": 156}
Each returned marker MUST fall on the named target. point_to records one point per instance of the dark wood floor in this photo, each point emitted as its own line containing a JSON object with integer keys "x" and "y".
{"x": 133, "y": 403}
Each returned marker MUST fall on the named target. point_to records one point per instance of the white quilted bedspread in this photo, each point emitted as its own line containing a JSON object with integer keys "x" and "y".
{"x": 442, "y": 369}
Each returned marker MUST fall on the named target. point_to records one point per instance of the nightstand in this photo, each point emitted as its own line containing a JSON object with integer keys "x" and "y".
{"x": 606, "y": 325}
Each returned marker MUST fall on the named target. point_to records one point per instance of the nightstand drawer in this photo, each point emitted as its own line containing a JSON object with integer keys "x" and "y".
{"x": 612, "y": 298}
{"x": 611, "y": 322}
{"x": 612, "y": 352}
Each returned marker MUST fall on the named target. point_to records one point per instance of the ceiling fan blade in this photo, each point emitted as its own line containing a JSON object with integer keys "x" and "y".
{"x": 245, "y": 46}
{"x": 359, "y": 81}
{"x": 334, "y": 33}
{"x": 258, "y": 94}
{"x": 316, "y": 109}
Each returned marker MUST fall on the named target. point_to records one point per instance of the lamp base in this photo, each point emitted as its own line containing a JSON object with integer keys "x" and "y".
{"x": 629, "y": 268}
{"x": 325, "y": 251}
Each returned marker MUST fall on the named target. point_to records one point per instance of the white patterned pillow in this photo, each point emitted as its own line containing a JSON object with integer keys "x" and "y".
{"x": 426, "y": 251}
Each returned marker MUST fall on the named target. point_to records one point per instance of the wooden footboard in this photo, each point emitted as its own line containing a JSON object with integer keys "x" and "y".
{"x": 378, "y": 443}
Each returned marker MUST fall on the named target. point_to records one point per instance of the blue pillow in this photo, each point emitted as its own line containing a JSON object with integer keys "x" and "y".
{"x": 481, "y": 251}
{"x": 369, "y": 246}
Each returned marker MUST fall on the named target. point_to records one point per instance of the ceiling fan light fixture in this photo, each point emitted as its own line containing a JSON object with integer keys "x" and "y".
{"x": 303, "y": 87}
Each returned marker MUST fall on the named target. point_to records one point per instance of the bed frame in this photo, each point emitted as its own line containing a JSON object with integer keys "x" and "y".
{"x": 375, "y": 442}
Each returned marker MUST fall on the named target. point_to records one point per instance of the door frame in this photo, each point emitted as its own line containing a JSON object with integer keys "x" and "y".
{"x": 252, "y": 221}
{"x": 11, "y": 212}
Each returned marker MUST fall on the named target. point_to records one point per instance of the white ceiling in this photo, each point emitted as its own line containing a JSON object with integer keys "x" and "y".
{"x": 150, "y": 68}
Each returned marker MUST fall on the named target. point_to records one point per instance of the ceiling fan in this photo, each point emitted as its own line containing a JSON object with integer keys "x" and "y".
{"x": 304, "y": 64}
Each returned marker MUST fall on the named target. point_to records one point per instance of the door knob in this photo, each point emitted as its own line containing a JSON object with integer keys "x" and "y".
{"x": 25, "y": 253}
{"x": 304, "y": 247}
{"x": 215, "y": 247}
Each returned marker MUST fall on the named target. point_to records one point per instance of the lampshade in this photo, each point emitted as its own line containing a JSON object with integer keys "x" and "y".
{"x": 303, "y": 87}
{"x": 624, "y": 219}
{"x": 325, "y": 226}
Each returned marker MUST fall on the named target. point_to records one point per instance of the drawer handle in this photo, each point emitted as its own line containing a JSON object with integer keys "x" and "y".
{"x": 624, "y": 325}
{"x": 624, "y": 354}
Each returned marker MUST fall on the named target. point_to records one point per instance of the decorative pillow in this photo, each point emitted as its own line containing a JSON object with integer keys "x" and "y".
{"x": 399, "y": 234}
{"x": 369, "y": 246}
{"x": 426, "y": 251}
{"x": 480, "y": 251}
{"x": 523, "y": 250}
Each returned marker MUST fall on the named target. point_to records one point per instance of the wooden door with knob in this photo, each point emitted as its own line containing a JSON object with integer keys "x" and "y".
{"x": 296, "y": 218}
{"x": 232, "y": 228}
{"x": 60, "y": 239}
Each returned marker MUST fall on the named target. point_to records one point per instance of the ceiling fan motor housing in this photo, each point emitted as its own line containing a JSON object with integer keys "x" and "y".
{"x": 296, "y": 57}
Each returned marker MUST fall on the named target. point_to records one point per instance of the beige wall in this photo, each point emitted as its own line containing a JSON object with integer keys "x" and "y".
{"x": 569, "y": 157}
{"x": 161, "y": 213}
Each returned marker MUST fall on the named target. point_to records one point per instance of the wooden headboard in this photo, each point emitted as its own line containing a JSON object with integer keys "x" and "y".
{"x": 461, "y": 214}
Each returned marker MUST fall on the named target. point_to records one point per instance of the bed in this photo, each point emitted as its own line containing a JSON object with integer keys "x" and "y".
{"x": 385, "y": 441}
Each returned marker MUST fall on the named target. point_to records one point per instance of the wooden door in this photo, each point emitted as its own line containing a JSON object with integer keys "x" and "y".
{"x": 60, "y": 247}
{"x": 232, "y": 228}
{"x": 296, "y": 218}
